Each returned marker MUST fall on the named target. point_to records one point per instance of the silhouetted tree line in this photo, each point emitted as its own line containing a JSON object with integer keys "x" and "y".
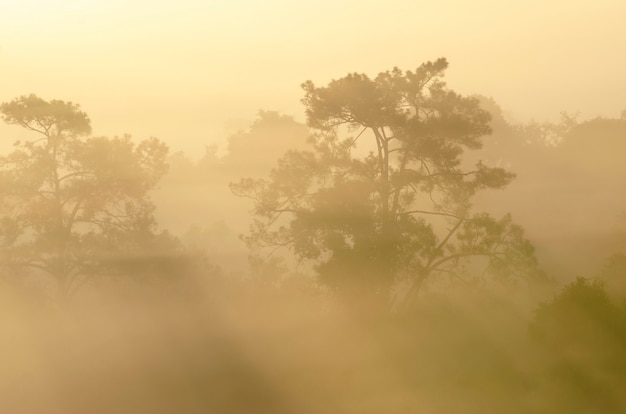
{"x": 383, "y": 203}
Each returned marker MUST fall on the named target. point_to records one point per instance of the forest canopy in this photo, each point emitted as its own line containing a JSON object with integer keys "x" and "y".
{"x": 408, "y": 249}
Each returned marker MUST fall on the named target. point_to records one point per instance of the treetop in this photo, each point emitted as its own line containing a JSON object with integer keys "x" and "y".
{"x": 50, "y": 118}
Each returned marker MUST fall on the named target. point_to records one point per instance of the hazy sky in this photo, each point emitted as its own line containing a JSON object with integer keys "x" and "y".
{"x": 189, "y": 71}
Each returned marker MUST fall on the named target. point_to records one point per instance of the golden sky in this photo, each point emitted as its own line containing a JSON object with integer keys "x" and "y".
{"x": 190, "y": 71}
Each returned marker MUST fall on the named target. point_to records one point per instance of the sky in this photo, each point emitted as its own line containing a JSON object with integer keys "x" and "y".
{"x": 191, "y": 72}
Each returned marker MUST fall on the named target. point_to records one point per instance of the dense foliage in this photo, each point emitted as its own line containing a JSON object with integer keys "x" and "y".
{"x": 71, "y": 205}
{"x": 383, "y": 197}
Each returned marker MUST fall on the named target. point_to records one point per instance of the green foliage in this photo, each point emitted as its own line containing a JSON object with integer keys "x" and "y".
{"x": 69, "y": 202}
{"x": 583, "y": 336}
{"x": 581, "y": 314}
{"x": 383, "y": 197}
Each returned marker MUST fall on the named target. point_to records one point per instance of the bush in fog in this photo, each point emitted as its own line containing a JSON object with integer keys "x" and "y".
{"x": 581, "y": 315}
{"x": 582, "y": 334}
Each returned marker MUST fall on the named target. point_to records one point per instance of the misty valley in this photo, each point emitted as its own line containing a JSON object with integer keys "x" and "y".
{"x": 407, "y": 249}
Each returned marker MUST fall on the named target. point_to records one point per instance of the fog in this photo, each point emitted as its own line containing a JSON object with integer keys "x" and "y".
{"x": 279, "y": 207}
{"x": 190, "y": 72}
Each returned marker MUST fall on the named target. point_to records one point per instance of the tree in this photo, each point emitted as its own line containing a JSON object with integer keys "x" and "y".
{"x": 382, "y": 199}
{"x": 255, "y": 151}
{"x": 581, "y": 333}
{"x": 70, "y": 205}
{"x": 577, "y": 315}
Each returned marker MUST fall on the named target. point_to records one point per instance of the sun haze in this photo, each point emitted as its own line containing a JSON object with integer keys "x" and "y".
{"x": 297, "y": 206}
{"x": 190, "y": 71}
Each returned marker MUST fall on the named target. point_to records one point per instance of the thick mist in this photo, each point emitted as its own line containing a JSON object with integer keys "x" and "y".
{"x": 312, "y": 208}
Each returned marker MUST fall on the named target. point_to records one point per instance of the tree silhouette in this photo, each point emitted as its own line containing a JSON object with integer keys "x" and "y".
{"x": 255, "y": 151}
{"x": 383, "y": 197}
{"x": 70, "y": 205}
